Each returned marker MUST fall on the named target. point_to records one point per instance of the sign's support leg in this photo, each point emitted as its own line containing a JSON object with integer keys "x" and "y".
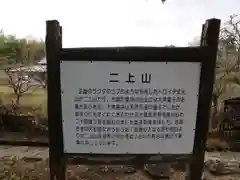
{"x": 53, "y": 47}
{"x": 209, "y": 40}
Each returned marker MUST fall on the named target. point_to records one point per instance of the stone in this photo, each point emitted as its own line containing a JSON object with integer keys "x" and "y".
{"x": 219, "y": 166}
{"x": 158, "y": 170}
{"x": 8, "y": 160}
{"x": 206, "y": 175}
{"x": 32, "y": 159}
{"x": 129, "y": 170}
{"x": 104, "y": 169}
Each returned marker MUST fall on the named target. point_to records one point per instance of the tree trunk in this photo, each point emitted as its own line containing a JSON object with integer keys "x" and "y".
{"x": 18, "y": 100}
{"x": 214, "y": 118}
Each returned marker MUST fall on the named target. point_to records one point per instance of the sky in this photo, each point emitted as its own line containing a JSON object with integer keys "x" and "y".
{"x": 92, "y": 23}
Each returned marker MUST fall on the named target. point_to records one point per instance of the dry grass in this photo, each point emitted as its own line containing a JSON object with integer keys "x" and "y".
{"x": 20, "y": 170}
{"x": 36, "y": 98}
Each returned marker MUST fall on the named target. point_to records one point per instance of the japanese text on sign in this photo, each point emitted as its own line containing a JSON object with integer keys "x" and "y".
{"x": 127, "y": 112}
{"x": 145, "y": 78}
{"x": 101, "y": 114}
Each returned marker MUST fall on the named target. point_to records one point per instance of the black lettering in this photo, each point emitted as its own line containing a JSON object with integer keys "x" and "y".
{"x": 130, "y": 78}
{"x": 146, "y": 78}
{"x": 113, "y": 74}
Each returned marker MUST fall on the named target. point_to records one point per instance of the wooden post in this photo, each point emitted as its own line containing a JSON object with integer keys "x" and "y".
{"x": 53, "y": 48}
{"x": 209, "y": 39}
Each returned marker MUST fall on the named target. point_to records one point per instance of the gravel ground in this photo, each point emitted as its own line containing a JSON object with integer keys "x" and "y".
{"x": 13, "y": 163}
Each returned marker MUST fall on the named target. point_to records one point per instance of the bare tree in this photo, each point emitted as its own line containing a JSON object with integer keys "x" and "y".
{"x": 228, "y": 58}
{"x": 228, "y": 63}
{"x": 21, "y": 80}
{"x": 39, "y": 75}
{"x": 229, "y": 46}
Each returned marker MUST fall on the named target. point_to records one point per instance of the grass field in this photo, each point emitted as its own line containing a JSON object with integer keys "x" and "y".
{"x": 36, "y": 98}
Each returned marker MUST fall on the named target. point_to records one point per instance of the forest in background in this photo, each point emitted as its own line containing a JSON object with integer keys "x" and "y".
{"x": 20, "y": 99}
{"x": 16, "y": 52}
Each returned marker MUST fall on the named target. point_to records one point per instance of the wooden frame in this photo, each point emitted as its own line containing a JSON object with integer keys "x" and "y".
{"x": 205, "y": 54}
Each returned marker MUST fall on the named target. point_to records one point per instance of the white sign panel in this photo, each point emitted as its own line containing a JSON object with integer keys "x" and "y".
{"x": 122, "y": 107}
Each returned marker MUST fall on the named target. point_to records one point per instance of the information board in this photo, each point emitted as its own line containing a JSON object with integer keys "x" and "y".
{"x": 119, "y": 107}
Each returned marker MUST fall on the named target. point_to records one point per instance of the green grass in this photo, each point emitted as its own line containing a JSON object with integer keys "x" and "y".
{"x": 31, "y": 99}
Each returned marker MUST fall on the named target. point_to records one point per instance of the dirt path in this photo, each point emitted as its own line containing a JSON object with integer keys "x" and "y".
{"x": 22, "y": 151}
{"x": 87, "y": 172}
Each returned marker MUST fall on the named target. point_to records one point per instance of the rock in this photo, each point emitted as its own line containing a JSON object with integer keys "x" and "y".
{"x": 8, "y": 160}
{"x": 206, "y": 175}
{"x": 32, "y": 159}
{"x": 104, "y": 169}
{"x": 158, "y": 170}
{"x": 118, "y": 169}
{"x": 219, "y": 166}
{"x": 129, "y": 170}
